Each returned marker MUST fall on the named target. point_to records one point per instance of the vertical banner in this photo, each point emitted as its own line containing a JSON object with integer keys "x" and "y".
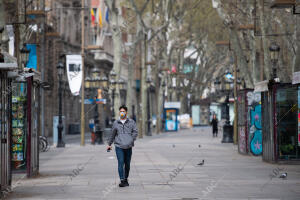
{"x": 74, "y": 72}
{"x": 32, "y": 61}
{"x": 299, "y": 116}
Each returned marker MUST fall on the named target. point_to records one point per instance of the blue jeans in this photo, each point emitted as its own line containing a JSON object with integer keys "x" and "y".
{"x": 124, "y": 158}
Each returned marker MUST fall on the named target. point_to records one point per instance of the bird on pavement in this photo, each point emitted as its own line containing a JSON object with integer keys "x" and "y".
{"x": 202, "y": 163}
{"x": 284, "y": 175}
{"x": 199, "y": 145}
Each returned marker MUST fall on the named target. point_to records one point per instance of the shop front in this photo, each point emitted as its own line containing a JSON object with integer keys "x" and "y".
{"x": 249, "y": 122}
{"x": 280, "y": 122}
{"x": 25, "y": 125}
{"x": 5, "y": 132}
{"x": 7, "y": 64}
{"x": 171, "y": 111}
{"x": 286, "y": 122}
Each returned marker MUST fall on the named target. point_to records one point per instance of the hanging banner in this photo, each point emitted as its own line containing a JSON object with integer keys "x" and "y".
{"x": 299, "y": 116}
{"x": 32, "y": 61}
{"x": 74, "y": 72}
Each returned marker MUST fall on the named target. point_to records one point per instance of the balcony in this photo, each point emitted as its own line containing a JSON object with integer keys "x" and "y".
{"x": 104, "y": 56}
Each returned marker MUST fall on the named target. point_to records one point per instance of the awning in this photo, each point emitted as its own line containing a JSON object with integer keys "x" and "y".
{"x": 10, "y": 62}
{"x": 28, "y": 72}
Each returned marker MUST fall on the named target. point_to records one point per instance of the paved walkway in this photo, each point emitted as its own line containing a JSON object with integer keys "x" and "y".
{"x": 164, "y": 167}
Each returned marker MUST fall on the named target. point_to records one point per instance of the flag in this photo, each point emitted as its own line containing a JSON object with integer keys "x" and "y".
{"x": 100, "y": 18}
{"x": 106, "y": 15}
{"x": 173, "y": 69}
{"x": 93, "y": 17}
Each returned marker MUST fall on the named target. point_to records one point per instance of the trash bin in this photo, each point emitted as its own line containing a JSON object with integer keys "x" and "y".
{"x": 55, "y": 130}
{"x": 74, "y": 129}
{"x": 98, "y": 133}
{"x": 106, "y": 133}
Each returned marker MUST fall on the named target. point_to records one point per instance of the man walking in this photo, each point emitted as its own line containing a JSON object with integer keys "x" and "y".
{"x": 124, "y": 133}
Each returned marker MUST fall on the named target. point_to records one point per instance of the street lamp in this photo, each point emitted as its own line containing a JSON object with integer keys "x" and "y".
{"x": 95, "y": 78}
{"x": 163, "y": 103}
{"x": 60, "y": 127}
{"x": 149, "y": 81}
{"x": 173, "y": 86}
{"x": 1, "y": 31}
{"x": 24, "y": 54}
{"x": 239, "y": 83}
{"x": 274, "y": 53}
{"x": 104, "y": 81}
{"x": 226, "y": 85}
{"x": 112, "y": 83}
{"x": 1, "y": 55}
{"x": 87, "y": 82}
{"x": 217, "y": 84}
{"x": 96, "y": 84}
{"x": 121, "y": 84}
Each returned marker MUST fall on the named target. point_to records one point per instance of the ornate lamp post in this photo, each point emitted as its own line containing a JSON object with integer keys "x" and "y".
{"x": 226, "y": 86}
{"x": 239, "y": 83}
{"x": 104, "y": 81}
{"x": 163, "y": 104}
{"x": 93, "y": 84}
{"x": 87, "y": 83}
{"x": 98, "y": 83}
{"x": 217, "y": 84}
{"x": 96, "y": 86}
{"x": 173, "y": 86}
{"x": 149, "y": 81}
{"x": 24, "y": 54}
{"x": 121, "y": 84}
{"x": 112, "y": 83}
{"x": 60, "y": 127}
{"x": 274, "y": 53}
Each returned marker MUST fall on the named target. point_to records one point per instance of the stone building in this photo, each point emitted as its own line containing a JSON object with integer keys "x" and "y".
{"x": 63, "y": 36}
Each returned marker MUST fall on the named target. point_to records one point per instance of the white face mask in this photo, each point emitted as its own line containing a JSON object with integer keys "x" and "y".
{"x": 122, "y": 115}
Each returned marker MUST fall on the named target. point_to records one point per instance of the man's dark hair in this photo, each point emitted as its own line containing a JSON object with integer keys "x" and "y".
{"x": 123, "y": 107}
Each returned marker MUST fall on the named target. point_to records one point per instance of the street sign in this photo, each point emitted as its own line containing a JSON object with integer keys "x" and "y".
{"x": 172, "y": 105}
{"x": 296, "y": 78}
{"x": 91, "y": 101}
{"x": 101, "y": 101}
{"x": 261, "y": 86}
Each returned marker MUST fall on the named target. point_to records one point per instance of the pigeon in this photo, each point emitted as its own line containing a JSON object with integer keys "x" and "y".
{"x": 284, "y": 175}
{"x": 202, "y": 163}
{"x": 199, "y": 145}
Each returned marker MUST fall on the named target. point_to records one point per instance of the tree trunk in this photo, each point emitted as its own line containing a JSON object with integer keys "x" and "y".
{"x": 296, "y": 63}
{"x": 117, "y": 43}
{"x": 237, "y": 48}
{"x": 143, "y": 88}
{"x": 159, "y": 104}
{"x": 130, "y": 93}
{"x": 263, "y": 27}
{"x": 255, "y": 67}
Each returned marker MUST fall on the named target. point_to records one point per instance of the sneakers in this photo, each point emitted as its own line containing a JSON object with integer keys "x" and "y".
{"x": 124, "y": 183}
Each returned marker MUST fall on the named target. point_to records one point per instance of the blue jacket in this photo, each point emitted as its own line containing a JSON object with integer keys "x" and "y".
{"x": 123, "y": 135}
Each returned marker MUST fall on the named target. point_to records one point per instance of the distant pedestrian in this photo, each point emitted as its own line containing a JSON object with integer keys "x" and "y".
{"x": 124, "y": 133}
{"x": 214, "y": 124}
